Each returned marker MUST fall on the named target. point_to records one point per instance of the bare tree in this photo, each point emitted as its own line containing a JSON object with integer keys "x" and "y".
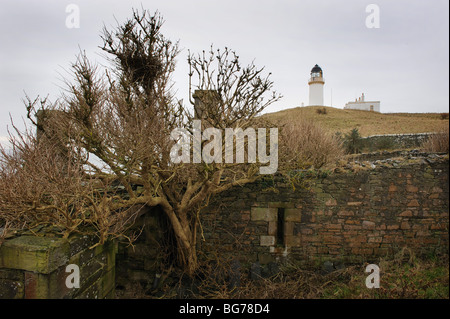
{"x": 116, "y": 126}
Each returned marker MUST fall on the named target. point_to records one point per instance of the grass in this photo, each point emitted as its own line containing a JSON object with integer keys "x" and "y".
{"x": 368, "y": 123}
{"x": 403, "y": 276}
{"x": 419, "y": 279}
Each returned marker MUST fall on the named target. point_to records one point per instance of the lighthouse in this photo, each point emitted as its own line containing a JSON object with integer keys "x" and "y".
{"x": 316, "y": 83}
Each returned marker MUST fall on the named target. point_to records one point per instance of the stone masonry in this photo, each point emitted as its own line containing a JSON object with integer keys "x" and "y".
{"x": 33, "y": 267}
{"x": 357, "y": 213}
{"x": 347, "y": 216}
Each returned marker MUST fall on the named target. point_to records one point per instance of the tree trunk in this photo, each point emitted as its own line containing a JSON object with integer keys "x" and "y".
{"x": 186, "y": 250}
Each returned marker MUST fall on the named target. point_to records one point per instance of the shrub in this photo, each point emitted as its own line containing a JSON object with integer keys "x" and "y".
{"x": 444, "y": 116}
{"x": 321, "y": 111}
{"x": 305, "y": 144}
{"x": 353, "y": 142}
{"x": 438, "y": 142}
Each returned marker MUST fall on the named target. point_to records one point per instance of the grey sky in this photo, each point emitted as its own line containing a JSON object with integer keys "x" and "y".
{"x": 404, "y": 63}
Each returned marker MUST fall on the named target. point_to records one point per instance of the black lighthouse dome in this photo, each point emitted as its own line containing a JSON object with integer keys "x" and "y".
{"x": 316, "y": 69}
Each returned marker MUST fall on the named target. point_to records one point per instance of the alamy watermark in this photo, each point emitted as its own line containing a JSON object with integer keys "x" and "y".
{"x": 213, "y": 150}
{"x": 373, "y": 280}
{"x": 73, "y": 279}
{"x": 373, "y": 19}
{"x": 73, "y": 17}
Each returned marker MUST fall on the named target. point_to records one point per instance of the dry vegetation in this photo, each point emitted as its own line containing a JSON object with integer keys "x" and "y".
{"x": 402, "y": 276}
{"x": 114, "y": 127}
{"x": 111, "y": 129}
{"x": 309, "y": 145}
{"x": 438, "y": 142}
{"x": 368, "y": 123}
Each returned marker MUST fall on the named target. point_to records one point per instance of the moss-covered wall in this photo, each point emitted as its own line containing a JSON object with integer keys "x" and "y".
{"x": 349, "y": 216}
{"x": 35, "y": 268}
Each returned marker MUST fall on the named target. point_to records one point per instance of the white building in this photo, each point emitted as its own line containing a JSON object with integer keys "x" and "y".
{"x": 316, "y": 83}
{"x": 361, "y": 104}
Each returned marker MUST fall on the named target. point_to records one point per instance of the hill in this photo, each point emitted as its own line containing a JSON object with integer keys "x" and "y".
{"x": 368, "y": 123}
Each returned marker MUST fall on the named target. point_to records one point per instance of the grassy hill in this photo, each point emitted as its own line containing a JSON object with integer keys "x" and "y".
{"x": 368, "y": 123}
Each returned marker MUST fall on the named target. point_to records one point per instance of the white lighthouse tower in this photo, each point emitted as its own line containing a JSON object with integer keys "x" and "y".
{"x": 316, "y": 83}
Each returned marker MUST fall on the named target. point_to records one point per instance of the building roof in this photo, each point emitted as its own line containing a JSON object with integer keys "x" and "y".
{"x": 316, "y": 69}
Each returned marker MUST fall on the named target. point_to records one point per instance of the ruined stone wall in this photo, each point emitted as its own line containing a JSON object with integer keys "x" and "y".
{"x": 397, "y": 141}
{"x": 144, "y": 260}
{"x": 354, "y": 215}
{"x": 347, "y": 216}
{"x": 34, "y": 267}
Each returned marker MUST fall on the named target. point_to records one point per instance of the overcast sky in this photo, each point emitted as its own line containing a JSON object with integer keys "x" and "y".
{"x": 403, "y": 63}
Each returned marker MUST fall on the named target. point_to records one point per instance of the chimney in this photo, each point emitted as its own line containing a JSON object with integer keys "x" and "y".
{"x": 204, "y": 100}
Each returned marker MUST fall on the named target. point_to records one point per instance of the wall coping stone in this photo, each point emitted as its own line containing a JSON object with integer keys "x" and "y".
{"x": 37, "y": 254}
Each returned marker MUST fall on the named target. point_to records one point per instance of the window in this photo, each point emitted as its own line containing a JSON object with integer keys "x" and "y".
{"x": 280, "y": 227}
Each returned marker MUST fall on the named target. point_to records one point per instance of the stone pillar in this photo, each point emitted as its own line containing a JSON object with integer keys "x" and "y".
{"x": 204, "y": 100}
{"x": 35, "y": 268}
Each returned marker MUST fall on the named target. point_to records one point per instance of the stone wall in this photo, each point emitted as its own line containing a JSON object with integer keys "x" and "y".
{"x": 348, "y": 216}
{"x": 354, "y": 214}
{"x": 396, "y": 141}
{"x": 35, "y": 268}
{"x": 142, "y": 262}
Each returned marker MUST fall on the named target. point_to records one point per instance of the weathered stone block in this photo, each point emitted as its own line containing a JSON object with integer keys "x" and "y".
{"x": 354, "y": 203}
{"x": 406, "y": 213}
{"x": 11, "y": 284}
{"x": 436, "y": 189}
{"x": 333, "y": 226}
{"x": 37, "y": 254}
{"x": 288, "y": 228}
{"x": 39, "y": 263}
{"x": 375, "y": 239}
{"x": 79, "y": 243}
{"x": 405, "y": 225}
{"x": 10, "y": 289}
{"x": 293, "y": 215}
{"x": 280, "y": 205}
{"x": 331, "y": 239}
{"x": 368, "y": 224}
{"x": 292, "y": 241}
{"x": 412, "y": 189}
{"x": 267, "y": 240}
{"x": 393, "y": 227}
{"x": 392, "y": 188}
{"x": 413, "y": 203}
{"x": 265, "y": 258}
{"x": 264, "y": 214}
{"x": 331, "y": 202}
{"x": 272, "y": 228}
{"x": 48, "y": 286}
{"x": 342, "y": 213}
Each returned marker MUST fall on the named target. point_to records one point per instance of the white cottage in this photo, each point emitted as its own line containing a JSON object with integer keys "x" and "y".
{"x": 361, "y": 104}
